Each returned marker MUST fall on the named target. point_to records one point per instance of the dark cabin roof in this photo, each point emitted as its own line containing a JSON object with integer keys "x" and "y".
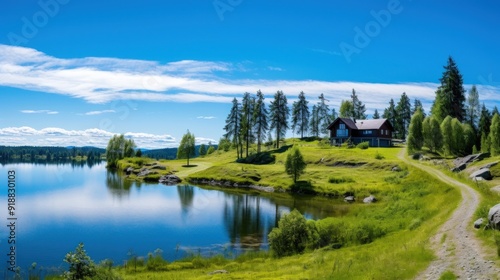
{"x": 361, "y": 124}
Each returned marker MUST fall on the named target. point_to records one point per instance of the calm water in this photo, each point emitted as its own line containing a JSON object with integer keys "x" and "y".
{"x": 59, "y": 206}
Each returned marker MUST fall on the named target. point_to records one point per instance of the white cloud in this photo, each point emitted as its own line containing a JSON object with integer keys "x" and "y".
{"x": 102, "y": 80}
{"x": 54, "y": 136}
{"x": 206, "y": 117}
{"x": 275, "y": 68}
{"x": 93, "y": 113}
{"x": 48, "y": 112}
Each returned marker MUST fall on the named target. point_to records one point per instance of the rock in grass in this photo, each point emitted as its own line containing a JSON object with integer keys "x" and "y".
{"x": 482, "y": 173}
{"x": 349, "y": 199}
{"x": 369, "y": 199}
{"x": 221, "y": 271}
{"x": 494, "y": 217}
{"x": 478, "y": 223}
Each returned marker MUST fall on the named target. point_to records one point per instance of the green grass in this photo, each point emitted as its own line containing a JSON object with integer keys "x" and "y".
{"x": 448, "y": 275}
{"x": 412, "y": 205}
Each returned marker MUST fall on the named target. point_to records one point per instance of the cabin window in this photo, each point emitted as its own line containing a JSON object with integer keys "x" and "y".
{"x": 342, "y": 131}
{"x": 367, "y": 132}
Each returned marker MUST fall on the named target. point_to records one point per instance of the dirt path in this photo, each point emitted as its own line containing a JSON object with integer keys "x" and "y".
{"x": 455, "y": 245}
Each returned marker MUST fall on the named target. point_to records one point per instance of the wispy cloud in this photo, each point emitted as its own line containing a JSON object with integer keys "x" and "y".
{"x": 55, "y": 136}
{"x": 272, "y": 68}
{"x": 335, "y": 53}
{"x": 93, "y": 113}
{"x": 48, "y": 112}
{"x": 206, "y": 117}
{"x": 102, "y": 80}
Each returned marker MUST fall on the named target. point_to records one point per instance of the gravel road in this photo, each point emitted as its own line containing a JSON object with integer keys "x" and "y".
{"x": 455, "y": 244}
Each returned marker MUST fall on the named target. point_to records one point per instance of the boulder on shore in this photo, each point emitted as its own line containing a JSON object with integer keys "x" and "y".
{"x": 349, "y": 199}
{"x": 494, "y": 217}
{"x": 169, "y": 179}
{"x": 482, "y": 173}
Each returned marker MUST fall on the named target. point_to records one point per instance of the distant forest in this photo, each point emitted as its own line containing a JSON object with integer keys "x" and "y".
{"x": 33, "y": 153}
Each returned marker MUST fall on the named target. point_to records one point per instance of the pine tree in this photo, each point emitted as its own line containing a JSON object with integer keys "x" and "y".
{"x": 358, "y": 108}
{"x": 417, "y": 104}
{"x": 314, "y": 123}
{"x": 261, "y": 124}
{"x": 300, "y": 115}
{"x": 334, "y": 114}
{"x": 279, "y": 115}
{"x": 295, "y": 164}
{"x": 473, "y": 109}
{"x": 376, "y": 115}
{"x": 247, "y": 116}
{"x": 203, "y": 150}
{"x": 450, "y": 95}
{"x": 232, "y": 127}
{"x": 403, "y": 116}
{"x": 323, "y": 116}
{"x": 415, "y": 135}
{"x": 390, "y": 113}
{"x": 484, "y": 128}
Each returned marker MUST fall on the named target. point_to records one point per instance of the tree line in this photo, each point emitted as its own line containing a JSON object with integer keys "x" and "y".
{"x": 251, "y": 122}
{"x": 458, "y": 124}
{"x": 31, "y": 153}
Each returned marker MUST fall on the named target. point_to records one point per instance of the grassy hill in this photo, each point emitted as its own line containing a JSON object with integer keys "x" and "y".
{"x": 411, "y": 206}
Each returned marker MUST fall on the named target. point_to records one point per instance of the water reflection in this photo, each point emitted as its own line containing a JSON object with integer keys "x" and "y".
{"x": 117, "y": 184}
{"x": 73, "y": 163}
{"x": 186, "y": 197}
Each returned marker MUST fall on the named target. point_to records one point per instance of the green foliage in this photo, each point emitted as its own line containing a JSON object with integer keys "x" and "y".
{"x": 324, "y": 118}
{"x": 224, "y": 144}
{"x": 258, "y": 158}
{"x": 80, "y": 264}
{"x": 138, "y": 153}
{"x": 260, "y": 121}
{"x": 291, "y": 235}
{"x": 403, "y": 116}
{"x": 203, "y": 150}
{"x": 458, "y": 140}
{"x": 495, "y": 135}
{"x": 295, "y": 164}
{"x": 358, "y": 108}
{"x": 363, "y": 145}
{"x": 233, "y": 127}
{"x": 390, "y": 112}
{"x": 210, "y": 150}
{"x": 340, "y": 180}
{"x": 379, "y": 156}
{"x": 415, "y": 135}
{"x": 118, "y": 148}
{"x": 346, "y": 109}
{"x": 448, "y": 275}
{"x": 447, "y": 132}
{"x": 187, "y": 147}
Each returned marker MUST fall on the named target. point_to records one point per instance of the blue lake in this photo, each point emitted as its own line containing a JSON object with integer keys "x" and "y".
{"x": 59, "y": 206}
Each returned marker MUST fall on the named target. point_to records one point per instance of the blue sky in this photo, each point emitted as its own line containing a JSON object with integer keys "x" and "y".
{"x": 76, "y": 72}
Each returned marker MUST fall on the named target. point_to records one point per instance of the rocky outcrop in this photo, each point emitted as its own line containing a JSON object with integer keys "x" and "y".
{"x": 494, "y": 217}
{"x": 169, "y": 180}
{"x": 229, "y": 184}
{"x": 481, "y": 173}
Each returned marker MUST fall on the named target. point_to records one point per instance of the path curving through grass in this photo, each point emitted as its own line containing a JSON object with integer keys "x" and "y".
{"x": 455, "y": 245}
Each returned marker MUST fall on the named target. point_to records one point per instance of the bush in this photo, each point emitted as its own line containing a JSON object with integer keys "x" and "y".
{"x": 340, "y": 180}
{"x": 259, "y": 158}
{"x": 291, "y": 236}
{"x": 379, "y": 156}
{"x": 363, "y": 145}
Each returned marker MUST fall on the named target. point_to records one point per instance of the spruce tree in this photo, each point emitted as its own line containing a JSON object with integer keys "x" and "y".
{"x": 232, "y": 127}
{"x": 300, "y": 115}
{"x": 358, "y": 108}
{"x": 376, "y": 115}
{"x": 247, "y": 117}
{"x": 279, "y": 115}
{"x": 450, "y": 95}
{"x": 484, "y": 128}
{"x": 323, "y": 115}
{"x": 403, "y": 116}
{"x": 495, "y": 135}
{"x": 314, "y": 123}
{"x": 260, "y": 122}
{"x": 390, "y": 113}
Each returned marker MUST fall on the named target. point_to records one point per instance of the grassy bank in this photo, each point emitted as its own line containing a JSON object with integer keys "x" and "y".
{"x": 411, "y": 207}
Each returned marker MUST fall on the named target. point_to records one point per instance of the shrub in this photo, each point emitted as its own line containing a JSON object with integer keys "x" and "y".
{"x": 379, "y": 156}
{"x": 80, "y": 264}
{"x": 340, "y": 180}
{"x": 291, "y": 235}
{"x": 363, "y": 145}
{"x": 258, "y": 158}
